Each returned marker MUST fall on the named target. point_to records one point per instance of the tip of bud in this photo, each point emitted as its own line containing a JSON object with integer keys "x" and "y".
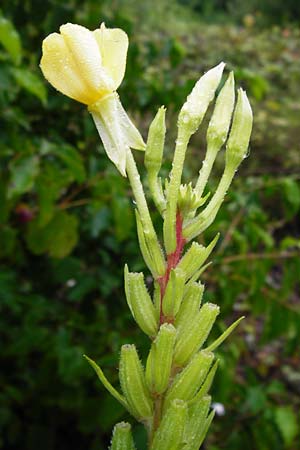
{"x": 238, "y": 141}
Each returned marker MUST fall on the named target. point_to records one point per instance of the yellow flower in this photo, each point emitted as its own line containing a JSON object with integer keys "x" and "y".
{"x": 89, "y": 66}
{"x": 85, "y": 65}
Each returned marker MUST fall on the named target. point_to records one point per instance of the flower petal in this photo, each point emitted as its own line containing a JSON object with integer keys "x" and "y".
{"x": 113, "y": 45}
{"x": 86, "y": 53}
{"x": 59, "y": 69}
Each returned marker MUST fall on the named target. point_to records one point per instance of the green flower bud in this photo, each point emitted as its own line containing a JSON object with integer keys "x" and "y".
{"x": 196, "y": 423}
{"x": 190, "y": 379}
{"x": 190, "y": 304}
{"x": 174, "y": 293}
{"x": 155, "y": 142}
{"x": 238, "y": 141}
{"x": 195, "y": 257}
{"x": 194, "y": 109}
{"x": 189, "y": 200}
{"x": 170, "y": 433}
{"x": 220, "y": 121}
{"x": 192, "y": 336}
{"x": 159, "y": 362}
{"x": 133, "y": 383}
{"x": 122, "y": 438}
{"x": 139, "y": 302}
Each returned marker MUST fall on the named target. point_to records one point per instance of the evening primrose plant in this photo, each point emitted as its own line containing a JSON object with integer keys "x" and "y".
{"x": 170, "y": 393}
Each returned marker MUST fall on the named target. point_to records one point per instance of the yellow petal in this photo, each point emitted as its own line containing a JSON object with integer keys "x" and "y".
{"x": 59, "y": 69}
{"x": 86, "y": 53}
{"x": 113, "y": 45}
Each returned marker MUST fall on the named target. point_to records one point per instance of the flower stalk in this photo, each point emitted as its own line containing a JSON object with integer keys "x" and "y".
{"x": 169, "y": 394}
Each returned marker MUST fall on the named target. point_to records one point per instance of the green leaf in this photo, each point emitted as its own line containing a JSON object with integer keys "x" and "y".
{"x": 31, "y": 83}
{"x": 57, "y": 238}
{"x": 73, "y": 160}
{"x": 292, "y": 193}
{"x": 10, "y": 40}
{"x": 286, "y": 421}
{"x": 23, "y": 172}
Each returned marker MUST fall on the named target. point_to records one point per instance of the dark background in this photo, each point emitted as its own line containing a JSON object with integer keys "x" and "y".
{"x": 67, "y": 224}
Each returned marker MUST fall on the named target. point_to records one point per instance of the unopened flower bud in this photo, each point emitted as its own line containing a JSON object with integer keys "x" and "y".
{"x": 221, "y": 118}
{"x": 194, "y": 109}
{"x": 170, "y": 433}
{"x": 133, "y": 383}
{"x": 192, "y": 336}
{"x": 122, "y": 437}
{"x": 189, "y": 200}
{"x": 159, "y": 362}
{"x": 139, "y": 302}
{"x": 238, "y": 141}
{"x": 155, "y": 142}
{"x": 186, "y": 383}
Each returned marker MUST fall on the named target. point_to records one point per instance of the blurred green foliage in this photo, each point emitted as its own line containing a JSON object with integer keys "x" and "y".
{"x": 67, "y": 226}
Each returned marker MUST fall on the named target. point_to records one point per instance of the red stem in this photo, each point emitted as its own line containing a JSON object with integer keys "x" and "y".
{"x": 172, "y": 261}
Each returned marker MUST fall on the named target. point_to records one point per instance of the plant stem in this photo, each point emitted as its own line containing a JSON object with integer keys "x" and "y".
{"x": 139, "y": 195}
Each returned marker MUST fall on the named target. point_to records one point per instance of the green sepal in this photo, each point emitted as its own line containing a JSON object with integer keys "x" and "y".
{"x": 122, "y": 437}
{"x": 133, "y": 384}
{"x": 190, "y": 305}
{"x": 224, "y": 335}
{"x": 107, "y": 384}
{"x": 174, "y": 293}
{"x": 195, "y": 256}
{"x": 170, "y": 433}
{"x": 139, "y": 302}
{"x": 159, "y": 361}
{"x": 192, "y": 336}
{"x": 186, "y": 384}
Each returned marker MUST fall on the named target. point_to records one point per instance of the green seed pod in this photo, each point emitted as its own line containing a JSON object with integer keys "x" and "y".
{"x": 192, "y": 336}
{"x": 220, "y": 121}
{"x": 174, "y": 293}
{"x": 193, "y": 110}
{"x": 133, "y": 383}
{"x": 190, "y": 304}
{"x": 186, "y": 384}
{"x": 139, "y": 302}
{"x": 238, "y": 141}
{"x": 122, "y": 437}
{"x": 195, "y": 257}
{"x": 159, "y": 362}
{"x": 155, "y": 142}
{"x": 170, "y": 433}
{"x": 196, "y": 422}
